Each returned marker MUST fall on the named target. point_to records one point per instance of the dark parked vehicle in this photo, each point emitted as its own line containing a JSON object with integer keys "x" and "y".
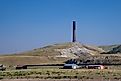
{"x": 21, "y": 67}
{"x": 70, "y": 66}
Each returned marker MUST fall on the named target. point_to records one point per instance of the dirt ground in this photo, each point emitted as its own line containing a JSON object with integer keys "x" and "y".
{"x": 59, "y": 80}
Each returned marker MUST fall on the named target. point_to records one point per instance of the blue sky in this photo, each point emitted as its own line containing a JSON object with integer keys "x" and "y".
{"x": 28, "y": 24}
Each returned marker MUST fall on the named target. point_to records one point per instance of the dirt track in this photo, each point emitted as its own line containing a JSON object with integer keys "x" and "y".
{"x": 59, "y": 80}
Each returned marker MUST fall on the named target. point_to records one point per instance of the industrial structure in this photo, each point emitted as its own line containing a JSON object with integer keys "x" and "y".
{"x": 74, "y": 32}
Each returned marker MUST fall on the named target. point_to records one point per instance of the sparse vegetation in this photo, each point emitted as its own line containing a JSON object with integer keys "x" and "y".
{"x": 47, "y": 55}
{"x": 62, "y": 74}
{"x": 98, "y": 59}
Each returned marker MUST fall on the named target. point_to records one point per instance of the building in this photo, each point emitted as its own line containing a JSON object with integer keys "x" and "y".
{"x": 95, "y": 66}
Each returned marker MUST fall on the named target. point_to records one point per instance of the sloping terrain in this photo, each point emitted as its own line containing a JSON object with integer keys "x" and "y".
{"x": 111, "y": 49}
{"x": 57, "y": 53}
{"x": 98, "y": 59}
{"x": 115, "y": 50}
{"x": 108, "y": 47}
{"x": 71, "y": 50}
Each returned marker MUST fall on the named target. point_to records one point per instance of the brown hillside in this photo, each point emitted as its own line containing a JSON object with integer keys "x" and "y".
{"x": 57, "y": 53}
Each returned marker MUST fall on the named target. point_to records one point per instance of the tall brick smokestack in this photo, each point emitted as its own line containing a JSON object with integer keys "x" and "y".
{"x": 74, "y": 31}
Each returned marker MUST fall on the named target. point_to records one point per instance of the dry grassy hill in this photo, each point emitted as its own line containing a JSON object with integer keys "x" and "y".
{"x": 57, "y": 53}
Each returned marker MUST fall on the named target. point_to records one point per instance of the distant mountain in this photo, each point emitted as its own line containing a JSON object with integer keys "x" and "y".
{"x": 108, "y": 47}
{"x": 112, "y": 49}
{"x": 115, "y": 50}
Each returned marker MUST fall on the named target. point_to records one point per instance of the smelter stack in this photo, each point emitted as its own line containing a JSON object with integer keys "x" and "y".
{"x": 74, "y": 32}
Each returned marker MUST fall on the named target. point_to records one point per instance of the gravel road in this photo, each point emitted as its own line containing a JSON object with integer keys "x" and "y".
{"x": 59, "y": 80}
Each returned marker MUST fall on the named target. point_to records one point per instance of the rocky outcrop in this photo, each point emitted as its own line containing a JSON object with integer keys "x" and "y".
{"x": 78, "y": 50}
{"x": 67, "y": 50}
